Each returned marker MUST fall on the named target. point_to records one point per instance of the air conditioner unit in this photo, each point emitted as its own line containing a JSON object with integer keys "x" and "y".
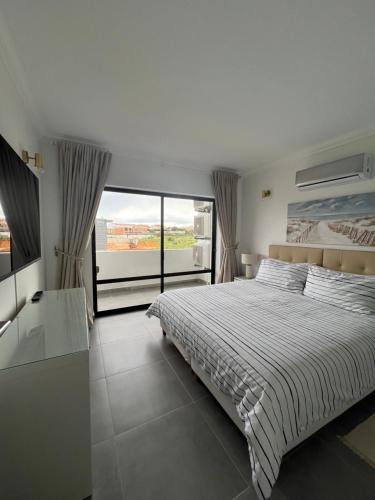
{"x": 202, "y": 206}
{"x": 202, "y": 255}
{"x": 202, "y": 226}
{"x": 354, "y": 168}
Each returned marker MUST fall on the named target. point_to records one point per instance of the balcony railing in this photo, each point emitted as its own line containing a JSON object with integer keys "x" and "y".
{"x": 133, "y": 263}
{"x": 116, "y": 264}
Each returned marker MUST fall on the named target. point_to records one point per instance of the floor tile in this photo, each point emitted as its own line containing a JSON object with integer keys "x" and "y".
{"x": 176, "y": 457}
{"x": 153, "y": 324}
{"x": 140, "y": 395}
{"x": 105, "y": 472}
{"x": 193, "y": 385}
{"x": 96, "y": 363}
{"x": 230, "y": 436}
{"x": 122, "y": 317}
{"x": 94, "y": 336}
{"x": 130, "y": 353}
{"x": 165, "y": 345}
{"x": 101, "y": 420}
{"x": 364, "y": 472}
{"x": 146, "y": 402}
{"x": 248, "y": 494}
{"x": 122, "y": 328}
{"x": 314, "y": 472}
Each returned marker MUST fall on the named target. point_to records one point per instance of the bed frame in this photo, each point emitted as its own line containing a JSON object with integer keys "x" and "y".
{"x": 349, "y": 261}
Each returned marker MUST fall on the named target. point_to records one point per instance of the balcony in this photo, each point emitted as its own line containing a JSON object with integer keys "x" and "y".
{"x": 130, "y": 263}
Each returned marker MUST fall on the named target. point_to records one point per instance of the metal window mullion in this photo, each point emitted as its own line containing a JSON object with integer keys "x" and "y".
{"x": 162, "y": 243}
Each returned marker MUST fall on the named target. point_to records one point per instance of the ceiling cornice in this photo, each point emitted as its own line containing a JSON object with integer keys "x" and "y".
{"x": 14, "y": 68}
{"x": 322, "y": 147}
{"x": 146, "y": 157}
{"x": 172, "y": 162}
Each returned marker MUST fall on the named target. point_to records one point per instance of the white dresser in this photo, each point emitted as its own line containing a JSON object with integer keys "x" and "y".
{"x": 45, "y": 436}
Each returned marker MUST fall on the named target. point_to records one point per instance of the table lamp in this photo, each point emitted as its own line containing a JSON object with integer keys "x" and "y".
{"x": 249, "y": 260}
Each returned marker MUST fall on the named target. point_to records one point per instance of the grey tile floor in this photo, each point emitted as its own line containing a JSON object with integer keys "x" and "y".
{"x": 157, "y": 433}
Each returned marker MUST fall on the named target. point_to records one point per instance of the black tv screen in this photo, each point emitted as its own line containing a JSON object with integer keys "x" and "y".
{"x": 19, "y": 213}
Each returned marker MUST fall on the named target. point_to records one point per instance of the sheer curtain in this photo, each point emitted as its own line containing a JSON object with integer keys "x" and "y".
{"x": 225, "y": 189}
{"x": 83, "y": 171}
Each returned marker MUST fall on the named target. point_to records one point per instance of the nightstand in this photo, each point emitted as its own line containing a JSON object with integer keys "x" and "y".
{"x": 243, "y": 278}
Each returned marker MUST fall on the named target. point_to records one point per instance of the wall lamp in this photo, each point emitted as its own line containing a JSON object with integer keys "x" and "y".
{"x": 37, "y": 158}
{"x": 266, "y": 193}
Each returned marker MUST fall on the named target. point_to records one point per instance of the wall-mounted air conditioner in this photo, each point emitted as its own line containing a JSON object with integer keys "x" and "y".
{"x": 354, "y": 168}
{"x": 202, "y": 206}
{"x": 202, "y": 225}
{"x": 202, "y": 255}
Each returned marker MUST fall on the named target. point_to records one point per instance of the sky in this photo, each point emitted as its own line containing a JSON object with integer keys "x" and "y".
{"x": 145, "y": 209}
{"x": 356, "y": 204}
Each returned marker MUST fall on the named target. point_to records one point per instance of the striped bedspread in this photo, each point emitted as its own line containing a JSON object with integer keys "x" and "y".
{"x": 286, "y": 360}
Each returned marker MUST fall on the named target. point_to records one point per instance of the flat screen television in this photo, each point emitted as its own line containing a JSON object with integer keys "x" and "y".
{"x": 19, "y": 213}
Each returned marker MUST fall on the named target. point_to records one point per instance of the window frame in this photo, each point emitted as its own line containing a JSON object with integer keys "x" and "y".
{"x": 163, "y": 274}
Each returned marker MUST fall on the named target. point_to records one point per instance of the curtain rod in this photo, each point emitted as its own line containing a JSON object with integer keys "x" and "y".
{"x": 74, "y": 141}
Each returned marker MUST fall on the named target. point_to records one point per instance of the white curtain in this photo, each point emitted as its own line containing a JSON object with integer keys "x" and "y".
{"x": 225, "y": 189}
{"x": 83, "y": 171}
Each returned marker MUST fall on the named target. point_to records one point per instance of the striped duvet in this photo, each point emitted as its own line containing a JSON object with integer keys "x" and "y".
{"x": 286, "y": 360}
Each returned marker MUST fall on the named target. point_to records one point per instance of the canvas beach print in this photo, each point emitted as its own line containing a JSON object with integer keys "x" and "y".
{"x": 344, "y": 220}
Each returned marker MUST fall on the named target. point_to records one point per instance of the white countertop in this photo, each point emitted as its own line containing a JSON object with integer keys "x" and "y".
{"x": 54, "y": 326}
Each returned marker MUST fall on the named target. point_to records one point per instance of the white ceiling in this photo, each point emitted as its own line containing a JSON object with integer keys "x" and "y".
{"x": 234, "y": 83}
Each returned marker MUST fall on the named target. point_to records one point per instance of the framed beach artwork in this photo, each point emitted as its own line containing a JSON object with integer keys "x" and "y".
{"x": 344, "y": 220}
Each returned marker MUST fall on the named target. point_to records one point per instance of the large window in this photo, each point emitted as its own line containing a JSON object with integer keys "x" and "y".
{"x": 145, "y": 243}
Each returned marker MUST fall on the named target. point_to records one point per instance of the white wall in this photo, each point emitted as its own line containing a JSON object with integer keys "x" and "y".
{"x": 264, "y": 221}
{"x": 17, "y": 129}
{"x": 51, "y": 215}
{"x": 153, "y": 175}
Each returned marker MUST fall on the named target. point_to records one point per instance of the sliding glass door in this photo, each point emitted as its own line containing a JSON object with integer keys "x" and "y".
{"x": 145, "y": 243}
{"x": 188, "y": 242}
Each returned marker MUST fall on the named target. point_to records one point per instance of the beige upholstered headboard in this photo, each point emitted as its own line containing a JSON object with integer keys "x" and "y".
{"x": 296, "y": 254}
{"x": 348, "y": 261}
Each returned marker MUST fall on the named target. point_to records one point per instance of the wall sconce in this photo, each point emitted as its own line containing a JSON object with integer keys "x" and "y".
{"x": 37, "y": 160}
{"x": 266, "y": 193}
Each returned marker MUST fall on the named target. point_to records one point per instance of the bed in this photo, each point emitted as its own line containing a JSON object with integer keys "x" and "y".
{"x": 281, "y": 365}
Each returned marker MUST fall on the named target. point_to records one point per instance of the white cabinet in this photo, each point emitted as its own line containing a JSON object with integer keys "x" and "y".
{"x": 45, "y": 441}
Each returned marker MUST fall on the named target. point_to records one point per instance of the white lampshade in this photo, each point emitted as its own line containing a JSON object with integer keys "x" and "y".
{"x": 248, "y": 258}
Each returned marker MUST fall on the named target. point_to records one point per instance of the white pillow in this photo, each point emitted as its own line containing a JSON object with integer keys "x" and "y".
{"x": 284, "y": 275}
{"x": 352, "y": 292}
